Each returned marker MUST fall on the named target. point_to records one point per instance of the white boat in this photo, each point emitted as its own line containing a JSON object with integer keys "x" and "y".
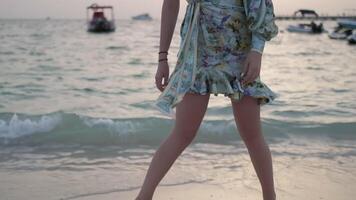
{"x": 344, "y": 29}
{"x": 99, "y": 23}
{"x": 144, "y": 16}
{"x": 340, "y": 33}
{"x": 311, "y": 27}
{"x": 306, "y": 28}
{"x": 298, "y": 28}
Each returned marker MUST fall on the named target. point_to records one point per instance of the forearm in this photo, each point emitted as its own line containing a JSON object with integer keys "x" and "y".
{"x": 170, "y": 10}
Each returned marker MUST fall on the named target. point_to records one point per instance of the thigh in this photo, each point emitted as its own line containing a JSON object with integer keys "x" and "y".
{"x": 190, "y": 112}
{"x": 247, "y": 115}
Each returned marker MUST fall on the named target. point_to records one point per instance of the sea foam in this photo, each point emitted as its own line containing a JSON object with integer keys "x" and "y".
{"x": 17, "y": 127}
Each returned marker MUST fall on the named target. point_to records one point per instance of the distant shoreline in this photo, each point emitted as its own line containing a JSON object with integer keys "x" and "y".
{"x": 325, "y": 17}
{"x": 278, "y": 17}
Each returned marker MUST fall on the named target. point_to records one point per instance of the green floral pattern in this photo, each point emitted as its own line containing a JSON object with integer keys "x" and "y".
{"x": 216, "y": 36}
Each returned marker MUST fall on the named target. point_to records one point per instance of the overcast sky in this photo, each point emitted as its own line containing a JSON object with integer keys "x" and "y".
{"x": 128, "y": 8}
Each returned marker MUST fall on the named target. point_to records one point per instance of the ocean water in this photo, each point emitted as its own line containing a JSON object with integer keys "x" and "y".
{"x": 78, "y": 106}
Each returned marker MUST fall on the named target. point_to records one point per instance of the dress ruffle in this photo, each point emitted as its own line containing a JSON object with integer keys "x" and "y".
{"x": 214, "y": 81}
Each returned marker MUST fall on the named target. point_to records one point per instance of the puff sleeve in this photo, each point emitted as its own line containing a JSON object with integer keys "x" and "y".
{"x": 261, "y": 22}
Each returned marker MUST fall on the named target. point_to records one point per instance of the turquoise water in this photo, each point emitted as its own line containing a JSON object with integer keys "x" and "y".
{"x": 65, "y": 85}
{"x": 76, "y": 109}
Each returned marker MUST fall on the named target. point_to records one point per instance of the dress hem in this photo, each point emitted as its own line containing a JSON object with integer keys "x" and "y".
{"x": 168, "y": 109}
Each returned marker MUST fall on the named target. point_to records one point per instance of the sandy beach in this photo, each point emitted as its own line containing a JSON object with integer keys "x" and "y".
{"x": 204, "y": 171}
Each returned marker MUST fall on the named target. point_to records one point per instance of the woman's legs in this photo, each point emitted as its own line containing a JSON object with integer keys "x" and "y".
{"x": 189, "y": 114}
{"x": 247, "y": 118}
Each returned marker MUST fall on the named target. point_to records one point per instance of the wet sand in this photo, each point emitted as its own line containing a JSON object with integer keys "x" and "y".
{"x": 307, "y": 171}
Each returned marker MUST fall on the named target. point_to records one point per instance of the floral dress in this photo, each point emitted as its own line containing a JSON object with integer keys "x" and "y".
{"x": 216, "y": 36}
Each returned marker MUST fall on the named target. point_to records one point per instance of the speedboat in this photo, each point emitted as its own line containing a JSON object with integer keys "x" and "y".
{"x": 306, "y": 28}
{"x": 340, "y": 33}
{"x": 144, "y": 16}
{"x": 343, "y": 29}
{"x": 99, "y": 23}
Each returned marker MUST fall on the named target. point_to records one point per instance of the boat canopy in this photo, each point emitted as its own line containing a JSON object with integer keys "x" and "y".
{"x": 98, "y": 11}
{"x": 306, "y": 12}
{"x": 96, "y": 6}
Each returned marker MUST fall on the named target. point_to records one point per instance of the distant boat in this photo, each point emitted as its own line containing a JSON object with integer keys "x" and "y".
{"x": 344, "y": 29}
{"x": 347, "y": 23}
{"x": 144, "y": 16}
{"x": 307, "y": 28}
{"x": 352, "y": 38}
{"x": 99, "y": 23}
{"x": 340, "y": 33}
{"x": 311, "y": 27}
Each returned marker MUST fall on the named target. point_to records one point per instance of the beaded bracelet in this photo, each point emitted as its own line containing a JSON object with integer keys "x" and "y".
{"x": 163, "y": 52}
{"x": 163, "y": 59}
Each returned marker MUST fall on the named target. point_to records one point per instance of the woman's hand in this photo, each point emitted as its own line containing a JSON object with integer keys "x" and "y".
{"x": 162, "y": 73}
{"x": 251, "y": 67}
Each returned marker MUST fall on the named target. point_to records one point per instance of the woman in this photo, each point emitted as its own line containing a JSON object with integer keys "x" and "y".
{"x": 221, "y": 47}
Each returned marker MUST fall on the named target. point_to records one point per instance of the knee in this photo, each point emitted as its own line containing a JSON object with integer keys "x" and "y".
{"x": 251, "y": 136}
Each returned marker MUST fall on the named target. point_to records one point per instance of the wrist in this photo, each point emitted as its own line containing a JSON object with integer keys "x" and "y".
{"x": 162, "y": 60}
{"x": 257, "y": 51}
{"x": 162, "y": 54}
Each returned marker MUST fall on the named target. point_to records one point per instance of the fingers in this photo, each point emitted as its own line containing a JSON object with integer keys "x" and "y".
{"x": 162, "y": 74}
{"x": 158, "y": 82}
{"x": 166, "y": 79}
{"x": 247, "y": 78}
{"x": 250, "y": 77}
{"x": 249, "y": 74}
{"x": 159, "y": 79}
{"x": 246, "y": 72}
